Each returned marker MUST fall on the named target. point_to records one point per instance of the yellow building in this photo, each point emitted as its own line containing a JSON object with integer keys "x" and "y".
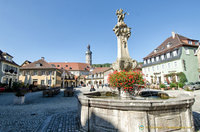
{"x": 40, "y": 73}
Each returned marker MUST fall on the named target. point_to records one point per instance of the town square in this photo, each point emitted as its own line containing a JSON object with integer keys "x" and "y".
{"x": 97, "y": 66}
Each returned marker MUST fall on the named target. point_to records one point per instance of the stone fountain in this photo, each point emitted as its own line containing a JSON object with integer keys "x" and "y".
{"x": 99, "y": 114}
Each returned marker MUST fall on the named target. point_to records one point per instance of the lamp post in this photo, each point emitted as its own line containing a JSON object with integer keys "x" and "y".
{"x": 63, "y": 76}
{"x": 91, "y": 70}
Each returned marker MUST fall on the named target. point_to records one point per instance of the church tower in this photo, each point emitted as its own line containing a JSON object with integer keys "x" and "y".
{"x": 88, "y": 55}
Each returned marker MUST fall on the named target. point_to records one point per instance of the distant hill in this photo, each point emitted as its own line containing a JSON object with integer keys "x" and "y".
{"x": 102, "y": 65}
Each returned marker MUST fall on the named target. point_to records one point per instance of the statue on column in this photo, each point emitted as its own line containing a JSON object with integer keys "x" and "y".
{"x": 123, "y": 32}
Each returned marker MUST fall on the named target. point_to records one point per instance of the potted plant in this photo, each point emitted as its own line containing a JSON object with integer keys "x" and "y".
{"x": 162, "y": 86}
{"x": 20, "y": 91}
{"x": 180, "y": 85}
{"x": 127, "y": 82}
{"x": 173, "y": 86}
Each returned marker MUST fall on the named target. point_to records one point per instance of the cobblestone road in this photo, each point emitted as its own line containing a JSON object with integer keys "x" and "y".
{"x": 50, "y": 114}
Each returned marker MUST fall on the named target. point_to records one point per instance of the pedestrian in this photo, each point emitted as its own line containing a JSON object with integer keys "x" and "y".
{"x": 102, "y": 86}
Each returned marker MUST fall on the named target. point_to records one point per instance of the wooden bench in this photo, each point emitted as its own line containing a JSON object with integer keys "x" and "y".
{"x": 68, "y": 92}
{"x": 51, "y": 92}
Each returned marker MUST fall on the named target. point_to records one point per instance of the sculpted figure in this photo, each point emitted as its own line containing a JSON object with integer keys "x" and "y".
{"x": 120, "y": 15}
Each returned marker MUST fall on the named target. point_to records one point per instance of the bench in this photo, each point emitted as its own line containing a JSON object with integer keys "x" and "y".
{"x": 51, "y": 92}
{"x": 68, "y": 92}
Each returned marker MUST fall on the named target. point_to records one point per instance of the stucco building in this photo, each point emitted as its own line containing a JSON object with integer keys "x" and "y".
{"x": 99, "y": 76}
{"x": 176, "y": 54}
{"x": 9, "y": 72}
{"x": 40, "y": 73}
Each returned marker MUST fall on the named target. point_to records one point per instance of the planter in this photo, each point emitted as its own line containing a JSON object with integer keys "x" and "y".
{"x": 19, "y": 100}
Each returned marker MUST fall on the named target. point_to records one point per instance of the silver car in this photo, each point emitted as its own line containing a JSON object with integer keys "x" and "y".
{"x": 192, "y": 86}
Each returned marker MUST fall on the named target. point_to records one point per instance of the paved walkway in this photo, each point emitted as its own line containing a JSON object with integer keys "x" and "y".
{"x": 53, "y": 114}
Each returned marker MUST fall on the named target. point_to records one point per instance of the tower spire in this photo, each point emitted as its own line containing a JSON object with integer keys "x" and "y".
{"x": 88, "y": 55}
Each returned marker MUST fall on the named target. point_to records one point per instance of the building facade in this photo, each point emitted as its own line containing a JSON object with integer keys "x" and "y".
{"x": 175, "y": 55}
{"x": 9, "y": 72}
{"x": 98, "y": 76}
{"x": 40, "y": 73}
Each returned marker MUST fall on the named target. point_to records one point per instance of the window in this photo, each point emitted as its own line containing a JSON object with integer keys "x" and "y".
{"x": 42, "y": 82}
{"x": 50, "y": 72}
{"x": 163, "y": 66}
{"x": 169, "y": 44}
{"x": 66, "y": 65}
{"x": 163, "y": 57}
{"x": 58, "y": 65}
{"x": 196, "y": 43}
{"x": 189, "y": 42}
{"x": 43, "y": 72}
{"x": 152, "y": 68}
{"x": 27, "y": 73}
{"x": 195, "y": 51}
{"x": 168, "y": 65}
{"x": 49, "y": 82}
{"x": 38, "y": 65}
{"x": 157, "y": 67}
{"x": 35, "y": 73}
{"x": 152, "y": 59}
{"x": 168, "y": 55}
{"x": 175, "y": 53}
{"x": 175, "y": 64}
{"x": 148, "y": 60}
{"x": 144, "y": 61}
{"x": 157, "y": 58}
{"x": 187, "y": 52}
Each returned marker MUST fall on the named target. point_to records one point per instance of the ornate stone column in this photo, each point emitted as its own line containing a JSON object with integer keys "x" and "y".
{"x": 123, "y": 32}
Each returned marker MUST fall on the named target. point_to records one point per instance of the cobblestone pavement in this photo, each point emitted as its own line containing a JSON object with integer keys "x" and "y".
{"x": 53, "y": 114}
{"x": 43, "y": 114}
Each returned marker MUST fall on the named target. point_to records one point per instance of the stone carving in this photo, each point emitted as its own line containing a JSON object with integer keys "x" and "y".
{"x": 123, "y": 32}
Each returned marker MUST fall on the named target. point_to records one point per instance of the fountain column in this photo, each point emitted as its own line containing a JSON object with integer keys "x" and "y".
{"x": 123, "y": 32}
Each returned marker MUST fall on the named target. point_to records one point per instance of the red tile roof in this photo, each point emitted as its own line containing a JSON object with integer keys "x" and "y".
{"x": 72, "y": 66}
{"x": 44, "y": 65}
{"x": 100, "y": 69}
{"x": 175, "y": 42}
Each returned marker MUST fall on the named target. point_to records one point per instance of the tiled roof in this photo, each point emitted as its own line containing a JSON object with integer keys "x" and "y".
{"x": 175, "y": 42}
{"x": 100, "y": 69}
{"x": 39, "y": 64}
{"x": 72, "y": 66}
{"x": 3, "y": 59}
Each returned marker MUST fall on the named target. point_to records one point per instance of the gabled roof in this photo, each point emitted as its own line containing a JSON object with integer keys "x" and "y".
{"x": 175, "y": 42}
{"x": 3, "y": 59}
{"x": 39, "y": 64}
{"x": 100, "y": 69}
{"x": 25, "y": 63}
{"x": 72, "y": 66}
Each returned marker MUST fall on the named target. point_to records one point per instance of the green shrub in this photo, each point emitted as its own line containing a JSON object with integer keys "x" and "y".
{"x": 162, "y": 86}
{"x": 182, "y": 77}
{"x": 180, "y": 85}
{"x": 172, "y": 85}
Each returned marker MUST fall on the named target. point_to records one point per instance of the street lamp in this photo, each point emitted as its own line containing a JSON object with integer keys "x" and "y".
{"x": 63, "y": 76}
{"x": 91, "y": 70}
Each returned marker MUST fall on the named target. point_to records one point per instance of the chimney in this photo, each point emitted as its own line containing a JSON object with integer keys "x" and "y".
{"x": 42, "y": 58}
{"x": 173, "y": 35}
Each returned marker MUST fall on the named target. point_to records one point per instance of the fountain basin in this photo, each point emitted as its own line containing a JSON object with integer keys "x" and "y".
{"x": 124, "y": 115}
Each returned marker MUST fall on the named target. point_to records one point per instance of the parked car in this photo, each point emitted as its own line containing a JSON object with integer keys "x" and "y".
{"x": 192, "y": 86}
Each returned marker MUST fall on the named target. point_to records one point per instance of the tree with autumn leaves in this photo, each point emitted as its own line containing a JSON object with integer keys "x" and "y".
{"x": 126, "y": 80}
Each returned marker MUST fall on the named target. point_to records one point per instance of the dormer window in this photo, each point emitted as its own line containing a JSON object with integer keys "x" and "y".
{"x": 38, "y": 65}
{"x": 66, "y": 65}
{"x": 196, "y": 43}
{"x": 169, "y": 44}
{"x": 70, "y": 68}
{"x": 168, "y": 55}
{"x": 152, "y": 59}
{"x": 175, "y": 53}
{"x": 189, "y": 42}
{"x": 145, "y": 61}
{"x": 163, "y": 57}
{"x": 58, "y": 65}
{"x": 157, "y": 58}
{"x": 156, "y": 50}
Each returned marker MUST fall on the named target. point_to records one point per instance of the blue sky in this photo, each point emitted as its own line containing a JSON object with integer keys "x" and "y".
{"x": 60, "y": 30}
